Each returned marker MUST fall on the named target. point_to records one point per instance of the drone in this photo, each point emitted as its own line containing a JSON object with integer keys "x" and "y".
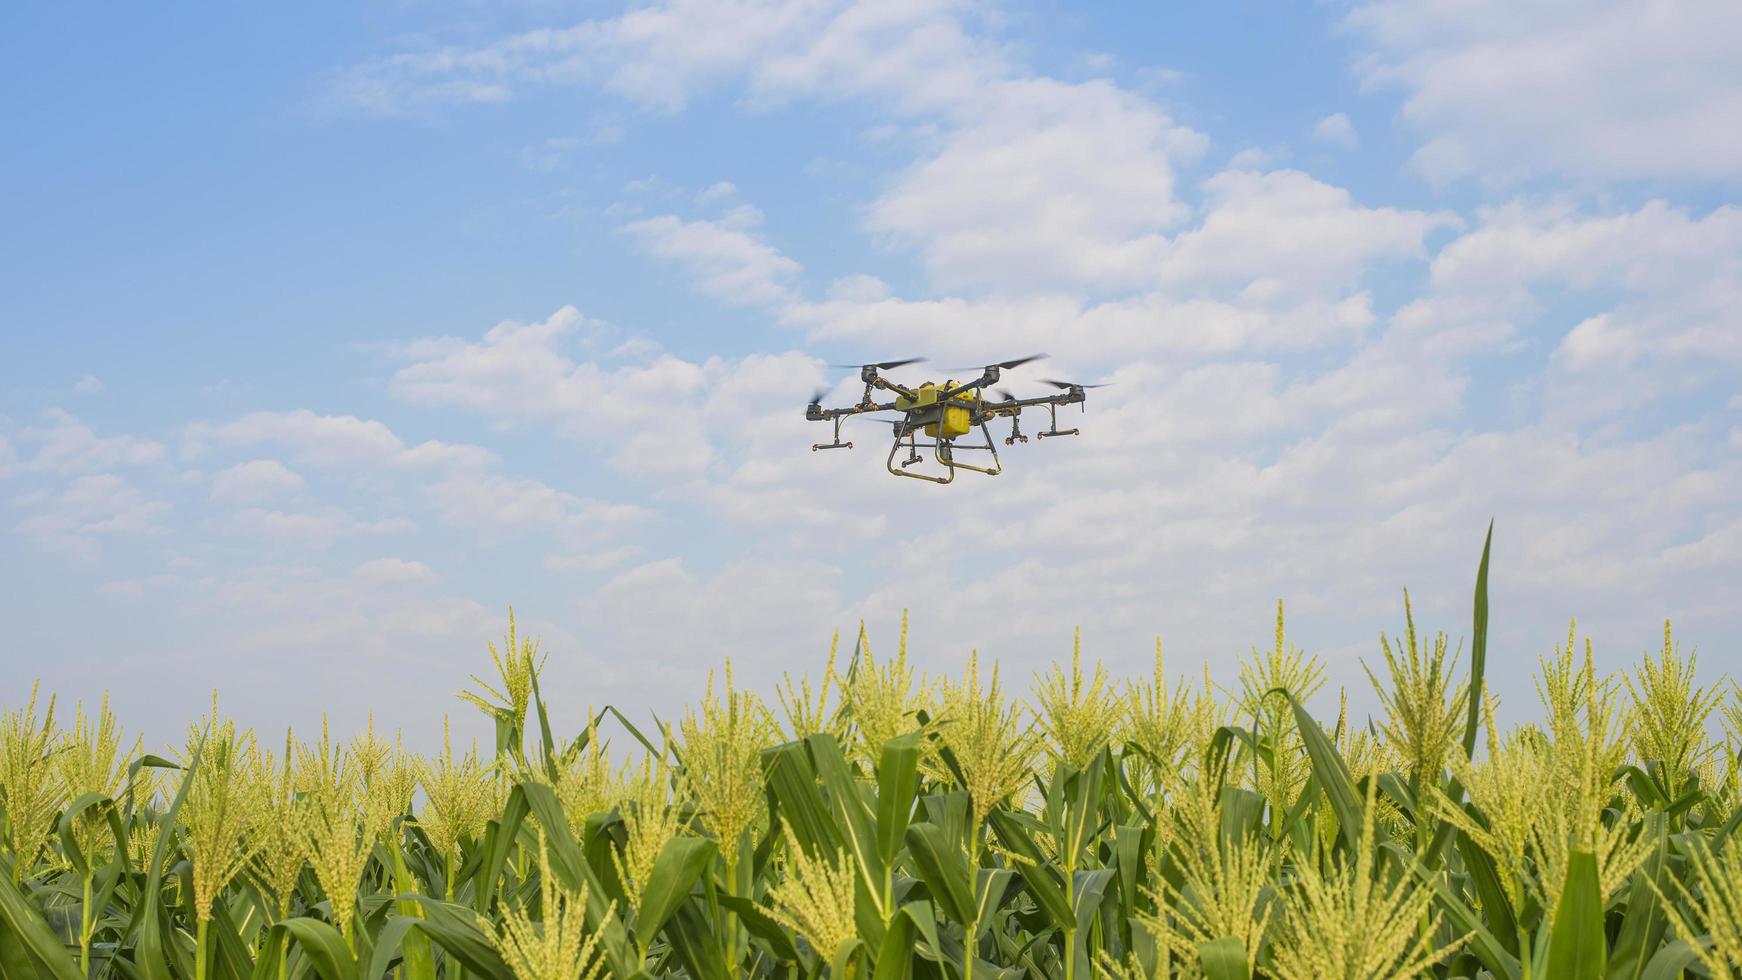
{"x": 944, "y": 413}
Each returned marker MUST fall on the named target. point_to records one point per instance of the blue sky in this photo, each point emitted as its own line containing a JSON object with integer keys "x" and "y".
{"x": 332, "y": 330}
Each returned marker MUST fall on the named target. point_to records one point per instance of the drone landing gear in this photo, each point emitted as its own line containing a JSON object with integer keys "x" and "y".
{"x": 837, "y": 444}
{"x": 1054, "y": 432}
{"x": 889, "y": 464}
{"x": 913, "y": 455}
{"x": 945, "y": 453}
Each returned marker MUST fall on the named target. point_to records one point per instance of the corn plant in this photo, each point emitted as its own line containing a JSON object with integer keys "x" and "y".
{"x": 889, "y": 824}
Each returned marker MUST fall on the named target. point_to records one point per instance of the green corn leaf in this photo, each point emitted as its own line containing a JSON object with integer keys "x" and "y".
{"x": 15, "y": 960}
{"x": 897, "y": 786}
{"x": 944, "y": 869}
{"x": 1330, "y": 771}
{"x": 1242, "y": 813}
{"x": 1088, "y": 892}
{"x": 1644, "y": 925}
{"x": 500, "y": 840}
{"x": 69, "y": 817}
{"x": 679, "y": 866}
{"x": 1089, "y": 888}
{"x": 321, "y": 943}
{"x": 147, "y": 761}
{"x": 1577, "y": 948}
{"x": 758, "y": 924}
{"x": 952, "y": 811}
{"x": 1224, "y": 959}
{"x": 927, "y": 924}
{"x": 842, "y": 962}
{"x": 1500, "y": 918}
{"x": 455, "y": 929}
{"x": 635, "y": 732}
{"x": 1038, "y": 873}
{"x": 792, "y": 779}
{"x": 696, "y": 945}
{"x": 990, "y": 885}
{"x": 1478, "y": 648}
{"x": 1128, "y": 851}
{"x": 1487, "y": 949}
{"x": 230, "y": 955}
{"x": 1082, "y": 817}
{"x": 571, "y": 865}
{"x": 895, "y": 955}
{"x": 29, "y": 939}
{"x": 152, "y": 954}
{"x": 1669, "y": 962}
{"x": 852, "y": 816}
{"x": 1393, "y": 787}
{"x": 388, "y": 945}
{"x": 1478, "y": 673}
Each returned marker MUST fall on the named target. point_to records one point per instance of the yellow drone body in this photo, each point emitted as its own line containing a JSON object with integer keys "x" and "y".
{"x": 957, "y": 413}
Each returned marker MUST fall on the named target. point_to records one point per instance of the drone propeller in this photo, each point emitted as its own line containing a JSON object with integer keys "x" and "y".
{"x": 1066, "y": 385}
{"x": 817, "y": 396}
{"x": 1003, "y": 395}
{"x": 1007, "y": 365}
{"x": 883, "y": 366}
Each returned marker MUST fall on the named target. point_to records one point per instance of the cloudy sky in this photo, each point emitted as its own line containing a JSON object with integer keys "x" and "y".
{"x": 332, "y": 329}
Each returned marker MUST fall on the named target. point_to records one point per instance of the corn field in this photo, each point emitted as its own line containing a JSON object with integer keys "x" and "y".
{"x": 877, "y": 822}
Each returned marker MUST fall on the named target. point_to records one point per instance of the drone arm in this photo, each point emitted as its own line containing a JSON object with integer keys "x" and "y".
{"x": 874, "y": 380}
{"x": 817, "y": 413}
{"x": 989, "y": 378}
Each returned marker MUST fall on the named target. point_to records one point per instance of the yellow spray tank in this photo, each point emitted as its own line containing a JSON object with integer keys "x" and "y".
{"x": 956, "y": 413}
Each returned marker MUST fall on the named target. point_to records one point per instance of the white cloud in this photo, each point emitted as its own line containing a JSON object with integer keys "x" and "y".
{"x": 1285, "y": 232}
{"x": 499, "y": 504}
{"x": 961, "y": 331}
{"x": 727, "y": 262}
{"x": 662, "y": 55}
{"x": 334, "y": 441}
{"x": 256, "y": 480}
{"x": 70, "y": 521}
{"x": 726, "y": 613}
{"x": 580, "y": 533}
{"x": 373, "y": 638}
{"x": 312, "y": 439}
{"x": 1506, "y": 90}
{"x": 90, "y": 384}
{"x": 1658, "y": 292}
{"x": 1337, "y": 131}
{"x": 1043, "y": 183}
{"x": 1277, "y": 259}
{"x": 393, "y": 573}
{"x": 311, "y": 530}
{"x": 437, "y": 455}
{"x": 524, "y": 372}
{"x": 718, "y": 192}
{"x": 67, "y": 445}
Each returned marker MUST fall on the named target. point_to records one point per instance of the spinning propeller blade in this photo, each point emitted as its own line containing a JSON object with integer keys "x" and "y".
{"x": 1007, "y": 365}
{"x": 884, "y": 365}
{"x": 817, "y": 396}
{"x": 1004, "y": 395}
{"x": 1066, "y": 385}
